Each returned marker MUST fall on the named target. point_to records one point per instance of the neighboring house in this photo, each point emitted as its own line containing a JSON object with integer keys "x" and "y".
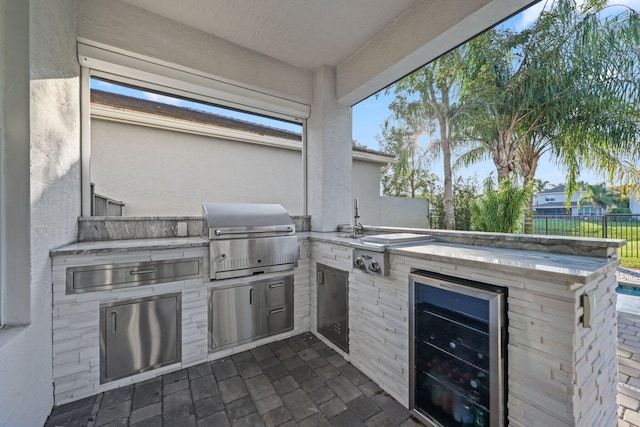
{"x": 552, "y": 202}
{"x": 634, "y": 205}
{"x": 164, "y": 160}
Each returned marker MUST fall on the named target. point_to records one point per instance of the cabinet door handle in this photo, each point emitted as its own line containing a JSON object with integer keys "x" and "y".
{"x": 134, "y": 272}
{"x": 276, "y": 285}
{"x": 113, "y": 321}
{"x": 277, "y": 310}
{"x": 251, "y": 296}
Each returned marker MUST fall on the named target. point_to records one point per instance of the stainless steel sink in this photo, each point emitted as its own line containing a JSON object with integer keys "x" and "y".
{"x": 395, "y": 238}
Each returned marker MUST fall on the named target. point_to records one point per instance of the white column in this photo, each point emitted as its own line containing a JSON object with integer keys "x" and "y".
{"x": 15, "y": 278}
{"x": 328, "y": 155}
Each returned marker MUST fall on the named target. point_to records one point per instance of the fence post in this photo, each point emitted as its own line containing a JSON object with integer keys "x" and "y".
{"x": 604, "y": 227}
{"x": 546, "y": 225}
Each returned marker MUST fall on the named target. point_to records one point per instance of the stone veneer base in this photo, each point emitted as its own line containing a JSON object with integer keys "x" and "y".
{"x": 559, "y": 373}
{"x": 76, "y": 345}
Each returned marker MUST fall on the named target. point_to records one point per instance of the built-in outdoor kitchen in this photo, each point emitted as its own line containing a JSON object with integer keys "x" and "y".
{"x": 95, "y": 304}
{"x": 462, "y": 328}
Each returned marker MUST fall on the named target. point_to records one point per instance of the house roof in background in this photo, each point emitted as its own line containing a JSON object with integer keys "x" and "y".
{"x": 182, "y": 113}
{"x": 561, "y": 189}
{"x": 123, "y": 102}
{"x": 558, "y": 189}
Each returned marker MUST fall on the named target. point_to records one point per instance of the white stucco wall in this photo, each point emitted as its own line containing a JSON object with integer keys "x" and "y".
{"x": 159, "y": 172}
{"x": 328, "y": 155}
{"x": 403, "y": 212}
{"x": 26, "y": 391}
{"x": 365, "y": 185}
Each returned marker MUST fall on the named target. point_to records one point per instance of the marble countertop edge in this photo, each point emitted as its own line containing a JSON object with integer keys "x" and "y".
{"x": 104, "y": 246}
{"x": 575, "y": 268}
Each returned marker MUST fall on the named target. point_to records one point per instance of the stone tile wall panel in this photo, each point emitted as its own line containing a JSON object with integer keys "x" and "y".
{"x": 76, "y": 341}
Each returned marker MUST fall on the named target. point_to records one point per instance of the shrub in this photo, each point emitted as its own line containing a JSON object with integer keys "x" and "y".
{"x": 500, "y": 209}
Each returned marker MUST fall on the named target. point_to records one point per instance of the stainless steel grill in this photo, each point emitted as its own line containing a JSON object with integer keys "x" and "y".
{"x": 249, "y": 238}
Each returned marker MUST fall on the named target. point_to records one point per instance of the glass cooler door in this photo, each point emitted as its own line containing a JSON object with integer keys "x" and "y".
{"x": 456, "y": 354}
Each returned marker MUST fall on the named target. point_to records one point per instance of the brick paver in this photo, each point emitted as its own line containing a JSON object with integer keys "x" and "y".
{"x": 295, "y": 382}
{"x": 298, "y": 381}
{"x": 628, "y": 369}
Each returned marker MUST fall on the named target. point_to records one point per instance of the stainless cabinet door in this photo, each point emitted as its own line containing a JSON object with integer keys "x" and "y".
{"x": 332, "y": 310}
{"x": 139, "y": 335}
{"x": 232, "y": 315}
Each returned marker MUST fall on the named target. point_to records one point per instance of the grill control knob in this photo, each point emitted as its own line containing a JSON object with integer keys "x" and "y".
{"x": 359, "y": 262}
{"x": 375, "y": 267}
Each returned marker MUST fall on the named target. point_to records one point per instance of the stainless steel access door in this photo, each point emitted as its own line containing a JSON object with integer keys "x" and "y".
{"x": 332, "y": 305}
{"x": 138, "y": 335}
{"x": 232, "y": 315}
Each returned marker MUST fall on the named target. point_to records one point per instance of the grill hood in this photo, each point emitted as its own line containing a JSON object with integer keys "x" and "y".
{"x": 248, "y": 238}
{"x": 240, "y": 220}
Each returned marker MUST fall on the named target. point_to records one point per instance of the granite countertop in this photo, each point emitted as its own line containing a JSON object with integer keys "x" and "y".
{"x": 577, "y": 269}
{"x": 104, "y": 246}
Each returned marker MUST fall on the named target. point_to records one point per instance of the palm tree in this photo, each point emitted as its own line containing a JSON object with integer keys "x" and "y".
{"x": 561, "y": 87}
{"x": 540, "y": 185}
{"x": 599, "y": 196}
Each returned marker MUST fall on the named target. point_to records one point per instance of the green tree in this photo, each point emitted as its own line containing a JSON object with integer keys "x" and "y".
{"x": 567, "y": 86}
{"x": 465, "y": 193}
{"x": 409, "y": 176}
{"x": 501, "y": 208}
{"x": 428, "y": 95}
{"x": 540, "y": 185}
{"x": 629, "y": 173}
{"x": 599, "y": 196}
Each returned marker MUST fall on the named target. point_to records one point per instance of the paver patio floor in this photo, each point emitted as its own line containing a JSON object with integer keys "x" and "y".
{"x": 628, "y": 369}
{"x": 299, "y": 381}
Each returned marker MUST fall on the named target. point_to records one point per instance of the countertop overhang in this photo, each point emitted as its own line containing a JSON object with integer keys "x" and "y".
{"x": 573, "y": 268}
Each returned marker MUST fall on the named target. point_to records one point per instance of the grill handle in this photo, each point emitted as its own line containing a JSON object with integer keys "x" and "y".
{"x": 276, "y": 229}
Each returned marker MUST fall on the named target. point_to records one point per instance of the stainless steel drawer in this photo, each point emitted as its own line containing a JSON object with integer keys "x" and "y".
{"x": 276, "y": 293}
{"x": 108, "y": 276}
{"x": 275, "y": 320}
{"x": 138, "y": 335}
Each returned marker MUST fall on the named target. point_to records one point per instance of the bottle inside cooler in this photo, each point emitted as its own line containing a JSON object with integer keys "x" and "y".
{"x": 452, "y": 357}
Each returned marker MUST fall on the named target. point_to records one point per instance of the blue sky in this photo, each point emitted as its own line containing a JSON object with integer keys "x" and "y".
{"x": 369, "y": 114}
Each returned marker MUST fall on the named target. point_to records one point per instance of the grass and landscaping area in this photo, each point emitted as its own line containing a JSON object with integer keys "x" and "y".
{"x": 625, "y": 227}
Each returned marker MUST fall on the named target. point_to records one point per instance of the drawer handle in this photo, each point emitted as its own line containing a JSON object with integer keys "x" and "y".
{"x": 134, "y": 272}
{"x": 277, "y": 310}
{"x": 276, "y": 285}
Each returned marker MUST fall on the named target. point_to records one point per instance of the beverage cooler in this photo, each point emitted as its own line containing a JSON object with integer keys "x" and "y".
{"x": 457, "y": 351}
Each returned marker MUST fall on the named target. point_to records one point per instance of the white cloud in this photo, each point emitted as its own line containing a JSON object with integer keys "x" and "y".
{"x": 530, "y": 15}
{"x": 162, "y": 98}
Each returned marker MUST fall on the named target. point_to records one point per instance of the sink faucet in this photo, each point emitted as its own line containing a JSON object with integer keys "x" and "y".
{"x": 357, "y": 227}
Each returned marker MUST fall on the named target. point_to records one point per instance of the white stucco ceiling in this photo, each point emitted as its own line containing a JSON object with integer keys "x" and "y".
{"x": 305, "y": 33}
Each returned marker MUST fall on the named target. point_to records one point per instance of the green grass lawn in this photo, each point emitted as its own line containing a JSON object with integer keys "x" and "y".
{"x": 593, "y": 227}
{"x": 630, "y": 262}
